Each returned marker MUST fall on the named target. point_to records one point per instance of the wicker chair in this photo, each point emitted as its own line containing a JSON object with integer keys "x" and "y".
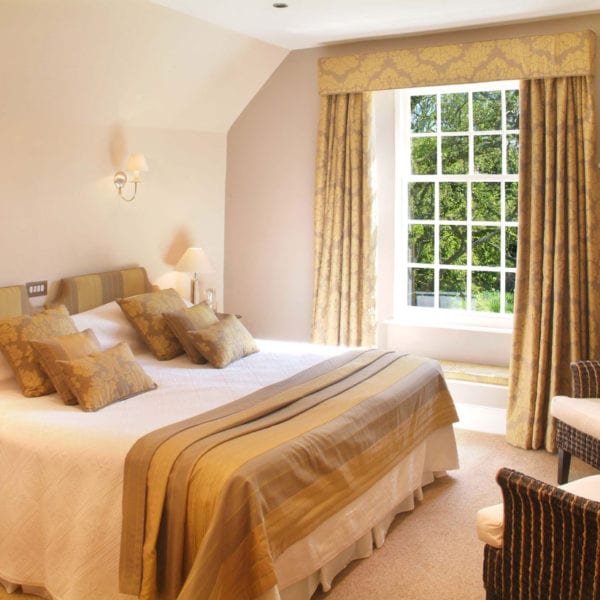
{"x": 570, "y": 439}
{"x": 556, "y": 555}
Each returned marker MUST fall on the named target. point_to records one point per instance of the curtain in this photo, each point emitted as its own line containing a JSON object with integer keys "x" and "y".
{"x": 557, "y": 302}
{"x": 344, "y": 274}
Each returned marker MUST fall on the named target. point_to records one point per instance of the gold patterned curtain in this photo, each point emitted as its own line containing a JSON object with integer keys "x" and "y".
{"x": 344, "y": 304}
{"x": 557, "y": 303}
{"x": 344, "y": 278}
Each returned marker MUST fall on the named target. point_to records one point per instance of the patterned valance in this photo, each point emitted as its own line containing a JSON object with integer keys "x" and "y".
{"x": 532, "y": 57}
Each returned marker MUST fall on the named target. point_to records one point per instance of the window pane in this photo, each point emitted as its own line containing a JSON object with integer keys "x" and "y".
{"x": 487, "y": 151}
{"x": 461, "y": 196}
{"x": 453, "y": 201}
{"x": 424, "y": 156}
{"x": 512, "y": 153}
{"x": 509, "y": 293}
{"x": 511, "y": 199}
{"x": 455, "y": 112}
{"x": 487, "y": 111}
{"x": 453, "y": 244}
{"x": 512, "y": 109}
{"x": 453, "y": 289}
{"x": 421, "y": 244}
{"x": 485, "y": 246}
{"x": 486, "y": 201}
{"x": 421, "y": 200}
{"x": 511, "y": 246}
{"x": 420, "y": 287}
{"x": 455, "y": 154}
{"x": 485, "y": 291}
{"x": 423, "y": 114}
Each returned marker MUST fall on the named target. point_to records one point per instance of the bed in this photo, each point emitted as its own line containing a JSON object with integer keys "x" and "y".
{"x": 67, "y": 528}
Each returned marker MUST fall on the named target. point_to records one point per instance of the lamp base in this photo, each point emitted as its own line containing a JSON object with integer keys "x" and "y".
{"x": 195, "y": 291}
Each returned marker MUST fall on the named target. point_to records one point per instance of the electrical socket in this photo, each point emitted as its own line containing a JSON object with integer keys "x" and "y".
{"x": 37, "y": 288}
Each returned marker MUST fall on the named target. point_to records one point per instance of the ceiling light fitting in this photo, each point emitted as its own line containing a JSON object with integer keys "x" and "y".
{"x": 279, "y": 5}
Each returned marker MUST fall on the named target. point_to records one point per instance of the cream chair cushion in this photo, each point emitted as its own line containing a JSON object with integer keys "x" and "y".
{"x": 490, "y": 520}
{"x": 580, "y": 413}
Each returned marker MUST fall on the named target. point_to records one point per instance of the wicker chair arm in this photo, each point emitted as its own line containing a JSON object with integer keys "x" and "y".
{"x": 585, "y": 377}
{"x": 551, "y": 542}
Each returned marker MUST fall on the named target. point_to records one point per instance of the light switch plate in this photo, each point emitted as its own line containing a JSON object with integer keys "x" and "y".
{"x": 37, "y": 288}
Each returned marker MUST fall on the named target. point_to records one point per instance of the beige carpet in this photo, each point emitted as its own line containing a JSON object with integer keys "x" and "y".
{"x": 433, "y": 552}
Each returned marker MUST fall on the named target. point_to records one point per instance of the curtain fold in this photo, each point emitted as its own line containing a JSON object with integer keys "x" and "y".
{"x": 344, "y": 276}
{"x": 557, "y": 301}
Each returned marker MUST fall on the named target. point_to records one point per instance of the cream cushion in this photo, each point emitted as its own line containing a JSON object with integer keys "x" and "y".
{"x": 580, "y": 413}
{"x": 490, "y": 520}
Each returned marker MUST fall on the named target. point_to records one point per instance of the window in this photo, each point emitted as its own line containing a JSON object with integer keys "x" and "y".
{"x": 458, "y": 197}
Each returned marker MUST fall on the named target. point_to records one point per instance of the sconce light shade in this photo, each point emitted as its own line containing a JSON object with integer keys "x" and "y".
{"x": 195, "y": 260}
{"x": 136, "y": 164}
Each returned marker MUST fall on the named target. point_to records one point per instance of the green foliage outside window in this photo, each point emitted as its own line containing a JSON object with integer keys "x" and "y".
{"x": 463, "y": 200}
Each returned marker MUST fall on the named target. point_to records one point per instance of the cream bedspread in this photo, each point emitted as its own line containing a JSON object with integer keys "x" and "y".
{"x": 61, "y": 470}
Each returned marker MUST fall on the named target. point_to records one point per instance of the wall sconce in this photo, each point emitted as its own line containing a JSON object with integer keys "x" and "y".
{"x": 135, "y": 164}
{"x": 194, "y": 260}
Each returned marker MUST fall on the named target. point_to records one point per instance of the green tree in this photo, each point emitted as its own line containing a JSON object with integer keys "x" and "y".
{"x": 450, "y": 242}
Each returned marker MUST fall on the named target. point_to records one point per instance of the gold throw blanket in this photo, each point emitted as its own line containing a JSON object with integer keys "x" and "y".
{"x": 210, "y": 503}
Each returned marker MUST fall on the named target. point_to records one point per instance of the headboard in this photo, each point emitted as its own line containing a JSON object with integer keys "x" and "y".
{"x": 14, "y": 301}
{"x": 83, "y": 292}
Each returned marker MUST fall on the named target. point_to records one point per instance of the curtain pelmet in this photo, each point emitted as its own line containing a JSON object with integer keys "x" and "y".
{"x": 527, "y": 57}
{"x": 344, "y": 277}
{"x": 557, "y": 302}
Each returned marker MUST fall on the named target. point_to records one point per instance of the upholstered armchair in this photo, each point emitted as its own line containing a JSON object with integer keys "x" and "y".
{"x": 543, "y": 542}
{"x": 578, "y": 418}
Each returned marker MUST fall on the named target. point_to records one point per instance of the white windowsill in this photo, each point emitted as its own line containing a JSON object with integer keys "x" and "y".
{"x": 483, "y": 342}
{"x": 453, "y": 320}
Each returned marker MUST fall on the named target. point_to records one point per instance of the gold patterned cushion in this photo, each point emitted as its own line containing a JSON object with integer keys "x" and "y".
{"x": 145, "y": 312}
{"x": 64, "y": 347}
{"x": 193, "y": 318}
{"x": 16, "y": 334}
{"x": 102, "y": 378}
{"x": 224, "y": 341}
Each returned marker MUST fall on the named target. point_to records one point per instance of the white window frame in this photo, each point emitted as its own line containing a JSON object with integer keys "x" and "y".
{"x": 404, "y": 312}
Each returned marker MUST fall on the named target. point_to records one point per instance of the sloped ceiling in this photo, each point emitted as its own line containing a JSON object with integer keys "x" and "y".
{"x": 130, "y": 61}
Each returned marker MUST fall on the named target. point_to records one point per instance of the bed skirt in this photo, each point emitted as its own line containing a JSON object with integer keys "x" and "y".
{"x": 352, "y": 533}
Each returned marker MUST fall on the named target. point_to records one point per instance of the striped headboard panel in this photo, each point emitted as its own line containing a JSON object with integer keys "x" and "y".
{"x": 14, "y": 301}
{"x": 83, "y": 292}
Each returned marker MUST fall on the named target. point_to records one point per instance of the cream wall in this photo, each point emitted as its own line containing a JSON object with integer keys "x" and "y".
{"x": 269, "y": 196}
{"x": 83, "y": 84}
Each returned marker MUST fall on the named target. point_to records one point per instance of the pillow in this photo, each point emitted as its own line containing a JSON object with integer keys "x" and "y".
{"x": 110, "y": 326}
{"x": 145, "y": 312}
{"x": 224, "y": 341}
{"x": 105, "y": 377}
{"x": 186, "y": 319}
{"x": 16, "y": 334}
{"x": 65, "y": 347}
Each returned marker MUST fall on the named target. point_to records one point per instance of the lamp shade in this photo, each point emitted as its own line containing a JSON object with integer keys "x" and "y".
{"x": 137, "y": 162}
{"x": 194, "y": 260}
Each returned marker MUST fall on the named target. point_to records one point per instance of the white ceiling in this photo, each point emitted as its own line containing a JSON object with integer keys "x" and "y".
{"x": 308, "y": 23}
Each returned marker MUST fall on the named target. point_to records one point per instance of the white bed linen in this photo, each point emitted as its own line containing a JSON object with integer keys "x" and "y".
{"x": 61, "y": 469}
